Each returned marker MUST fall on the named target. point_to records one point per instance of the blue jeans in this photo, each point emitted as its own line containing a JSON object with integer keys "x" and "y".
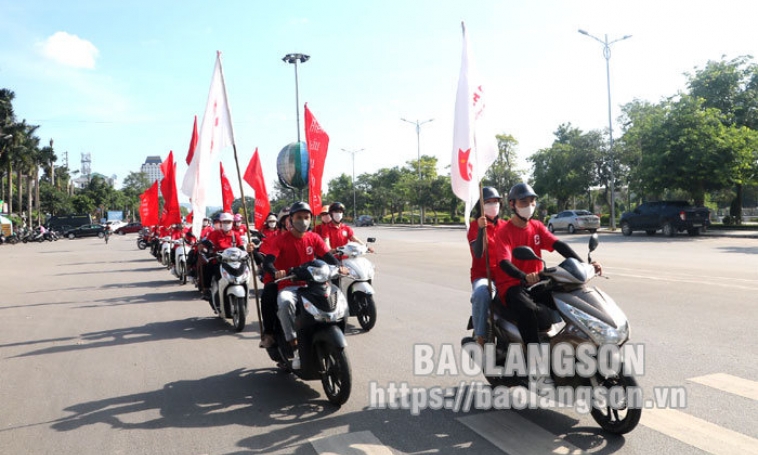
{"x": 480, "y": 305}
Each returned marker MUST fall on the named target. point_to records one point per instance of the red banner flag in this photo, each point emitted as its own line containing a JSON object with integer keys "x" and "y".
{"x": 317, "y": 142}
{"x": 193, "y": 144}
{"x": 148, "y": 206}
{"x": 254, "y": 177}
{"x": 171, "y": 213}
{"x": 227, "y": 196}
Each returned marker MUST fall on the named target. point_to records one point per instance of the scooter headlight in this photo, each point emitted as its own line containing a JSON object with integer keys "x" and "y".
{"x": 599, "y": 331}
{"x": 320, "y": 274}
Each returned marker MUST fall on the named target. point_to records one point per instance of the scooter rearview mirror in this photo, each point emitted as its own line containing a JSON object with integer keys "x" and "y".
{"x": 594, "y": 240}
{"x": 371, "y": 240}
{"x": 524, "y": 253}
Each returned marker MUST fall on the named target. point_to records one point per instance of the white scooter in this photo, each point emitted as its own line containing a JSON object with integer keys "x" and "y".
{"x": 166, "y": 251}
{"x": 359, "y": 291}
{"x": 229, "y": 293}
{"x": 181, "y": 250}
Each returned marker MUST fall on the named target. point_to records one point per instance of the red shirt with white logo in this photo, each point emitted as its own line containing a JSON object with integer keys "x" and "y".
{"x": 510, "y": 236}
{"x": 222, "y": 240}
{"x": 291, "y": 251}
{"x": 338, "y": 234}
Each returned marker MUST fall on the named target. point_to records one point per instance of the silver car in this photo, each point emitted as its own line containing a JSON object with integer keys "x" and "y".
{"x": 574, "y": 220}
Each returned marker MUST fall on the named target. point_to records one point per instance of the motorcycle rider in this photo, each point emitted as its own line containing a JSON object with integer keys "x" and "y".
{"x": 219, "y": 240}
{"x": 483, "y": 290}
{"x": 270, "y": 227}
{"x": 270, "y": 288}
{"x": 339, "y": 234}
{"x": 207, "y": 228}
{"x": 238, "y": 225}
{"x": 522, "y": 230}
{"x": 292, "y": 249}
{"x": 321, "y": 229}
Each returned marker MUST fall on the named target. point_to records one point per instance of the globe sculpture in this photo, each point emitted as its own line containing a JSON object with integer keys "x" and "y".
{"x": 292, "y": 165}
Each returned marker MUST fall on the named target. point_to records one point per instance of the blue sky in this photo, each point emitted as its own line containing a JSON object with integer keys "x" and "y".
{"x": 123, "y": 80}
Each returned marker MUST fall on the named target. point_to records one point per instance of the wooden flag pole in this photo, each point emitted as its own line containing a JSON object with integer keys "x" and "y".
{"x": 490, "y": 332}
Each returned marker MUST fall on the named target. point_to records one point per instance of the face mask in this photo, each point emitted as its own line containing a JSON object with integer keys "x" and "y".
{"x": 301, "y": 225}
{"x": 491, "y": 209}
{"x": 206, "y": 224}
{"x": 271, "y": 224}
{"x": 337, "y": 217}
{"x": 226, "y": 227}
{"x": 526, "y": 212}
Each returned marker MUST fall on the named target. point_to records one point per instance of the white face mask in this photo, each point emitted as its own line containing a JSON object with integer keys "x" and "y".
{"x": 271, "y": 224}
{"x": 226, "y": 227}
{"x": 526, "y": 212}
{"x": 337, "y": 217}
{"x": 491, "y": 209}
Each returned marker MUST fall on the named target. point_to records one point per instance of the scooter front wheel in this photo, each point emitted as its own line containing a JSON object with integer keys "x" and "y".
{"x": 336, "y": 377}
{"x": 237, "y": 306}
{"x": 618, "y": 418}
{"x": 366, "y": 310}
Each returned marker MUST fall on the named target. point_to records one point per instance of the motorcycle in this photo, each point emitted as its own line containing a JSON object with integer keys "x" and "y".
{"x": 359, "y": 290}
{"x": 321, "y": 317}
{"x": 578, "y": 315}
{"x": 141, "y": 242}
{"x": 181, "y": 250}
{"x": 165, "y": 251}
{"x": 229, "y": 293}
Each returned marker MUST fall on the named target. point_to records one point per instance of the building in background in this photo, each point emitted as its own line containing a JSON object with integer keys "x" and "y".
{"x": 152, "y": 168}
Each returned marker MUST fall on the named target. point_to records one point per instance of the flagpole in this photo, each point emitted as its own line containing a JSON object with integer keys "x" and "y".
{"x": 242, "y": 193}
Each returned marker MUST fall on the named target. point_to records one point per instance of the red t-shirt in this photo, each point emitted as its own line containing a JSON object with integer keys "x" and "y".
{"x": 321, "y": 230}
{"x": 222, "y": 240}
{"x": 478, "y": 268}
{"x": 206, "y": 232}
{"x": 291, "y": 251}
{"x": 338, "y": 234}
{"x": 508, "y": 237}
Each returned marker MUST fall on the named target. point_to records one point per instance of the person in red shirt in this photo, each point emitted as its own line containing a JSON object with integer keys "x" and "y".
{"x": 522, "y": 230}
{"x": 270, "y": 226}
{"x": 220, "y": 240}
{"x": 239, "y": 226}
{"x": 292, "y": 249}
{"x": 207, "y": 228}
{"x": 339, "y": 234}
{"x": 321, "y": 228}
{"x": 483, "y": 289}
{"x": 270, "y": 288}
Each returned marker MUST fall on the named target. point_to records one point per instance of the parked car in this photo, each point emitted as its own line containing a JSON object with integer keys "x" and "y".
{"x": 574, "y": 220}
{"x": 114, "y": 224}
{"x": 129, "y": 228}
{"x": 364, "y": 220}
{"x": 88, "y": 230}
{"x": 668, "y": 216}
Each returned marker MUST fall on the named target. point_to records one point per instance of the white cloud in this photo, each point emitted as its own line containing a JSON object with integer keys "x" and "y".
{"x": 70, "y": 50}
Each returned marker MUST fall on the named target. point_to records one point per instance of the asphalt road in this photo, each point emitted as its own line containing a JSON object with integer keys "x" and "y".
{"x": 103, "y": 352}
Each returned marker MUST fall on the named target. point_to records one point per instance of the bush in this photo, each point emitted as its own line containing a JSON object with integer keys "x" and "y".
{"x": 605, "y": 220}
{"x": 727, "y": 220}
{"x": 455, "y": 219}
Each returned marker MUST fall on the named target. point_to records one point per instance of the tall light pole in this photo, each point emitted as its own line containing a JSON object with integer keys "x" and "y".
{"x": 607, "y": 54}
{"x": 353, "y": 152}
{"x": 418, "y": 146}
{"x": 294, "y": 58}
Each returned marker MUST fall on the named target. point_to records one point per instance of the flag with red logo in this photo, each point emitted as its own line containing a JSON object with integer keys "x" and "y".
{"x": 474, "y": 141}
{"x": 148, "y": 206}
{"x": 215, "y": 133}
{"x": 227, "y": 196}
{"x": 171, "y": 212}
{"x": 317, "y": 142}
{"x": 193, "y": 143}
{"x": 254, "y": 177}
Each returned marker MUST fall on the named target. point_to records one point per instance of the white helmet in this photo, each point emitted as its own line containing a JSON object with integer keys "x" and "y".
{"x": 226, "y": 217}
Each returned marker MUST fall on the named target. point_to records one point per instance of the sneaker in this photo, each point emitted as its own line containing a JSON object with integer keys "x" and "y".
{"x": 296, "y": 361}
{"x": 267, "y": 341}
{"x": 541, "y": 384}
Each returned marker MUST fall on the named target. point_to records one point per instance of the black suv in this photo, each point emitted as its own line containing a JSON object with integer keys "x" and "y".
{"x": 669, "y": 217}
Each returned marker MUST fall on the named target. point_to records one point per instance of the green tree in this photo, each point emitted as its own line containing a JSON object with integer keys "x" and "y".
{"x": 503, "y": 173}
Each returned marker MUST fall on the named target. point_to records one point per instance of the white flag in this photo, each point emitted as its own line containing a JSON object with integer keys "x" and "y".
{"x": 474, "y": 141}
{"x": 215, "y": 133}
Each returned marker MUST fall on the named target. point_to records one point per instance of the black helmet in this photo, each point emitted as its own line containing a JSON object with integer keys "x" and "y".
{"x": 489, "y": 192}
{"x": 337, "y": 207}
{"x": 300, "y": 206}
{"x": 521, "y": 191}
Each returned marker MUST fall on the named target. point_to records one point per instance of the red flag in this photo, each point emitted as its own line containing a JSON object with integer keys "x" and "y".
{"x": 148, "y": 206}
{"x": 317, "y": 142}
{"x": 193, "y": 144}
{"x": 254, "y": 177}
{"x": 227, "y": 196}
{"x": 190, "y": 216}
{"x": 171, "y": 213}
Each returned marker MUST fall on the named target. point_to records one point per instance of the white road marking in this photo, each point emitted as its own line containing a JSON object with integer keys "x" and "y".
{"x": 516, "y": 435}
{"x": 698, "y": 432}
{"x": 730, "y": 384}
{"x": 357, "y": 443}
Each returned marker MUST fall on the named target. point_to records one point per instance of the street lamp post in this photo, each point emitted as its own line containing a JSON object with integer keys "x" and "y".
{"x": 294, "y": 58}
{"x": 353, "y": 152}
{"x": 607, "y": 54}
{"x": 418, "y": 147}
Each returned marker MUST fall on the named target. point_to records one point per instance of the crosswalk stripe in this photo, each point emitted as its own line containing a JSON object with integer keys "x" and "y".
{"x": 516, "y": 435}
{"x": 357, "y": 443}
{"x": 698, "y": 432}
{"x": 730, "y": 384}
